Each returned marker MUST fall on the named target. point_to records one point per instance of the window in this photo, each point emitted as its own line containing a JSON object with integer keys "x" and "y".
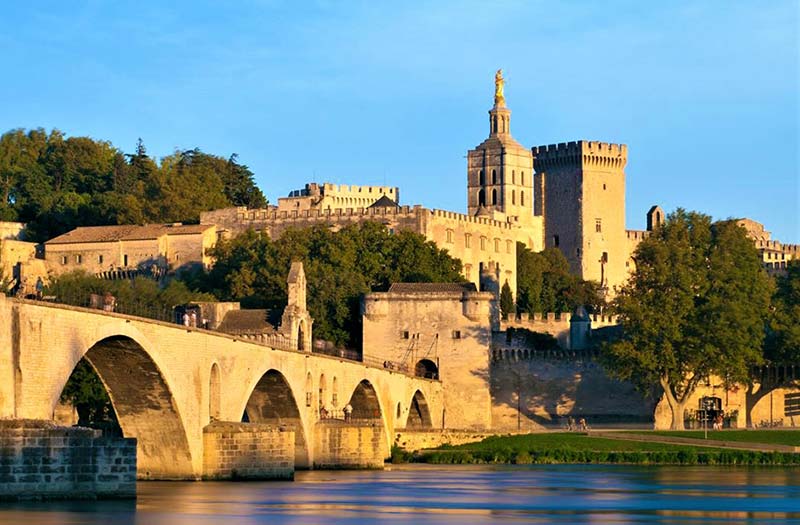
{"x": 522, "y": 198}
{"x": 99, "y": 259}
{"x": 555, "y": 241}
{"x": 513, "y": 177}
{"x": 481, "y": 197}
{"x": 604, "y": 186}
{"x": 522, "y": 177}
{"x": 63, "y": 259}
{"x": 598, "y": 225}
{"x": 483, "y": 243}
{"x": 513, "y": 197}
{"x": 604, "y": 259}
{"x": 494, "y": 197}
{"x": 125, "y": 260}
{"x": 450, "y": 236}
{"x": 481, "y": 178}
{"x": 78, "y": 259}
{"x": 405, "y": 334}
{"x": 497, "y": 245}
{"x": 456, "y": 334}
{"x": 509, "y": 245}
{"x": 468, "y": 271}
{"x": 467, "y": 240}
{"x": 494, "y": 177}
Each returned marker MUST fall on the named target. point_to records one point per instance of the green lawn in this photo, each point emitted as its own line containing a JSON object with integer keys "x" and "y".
{"x": 565, "y": 447}
{"x": 565, "y": 441}
{"x": 770, "y": 437}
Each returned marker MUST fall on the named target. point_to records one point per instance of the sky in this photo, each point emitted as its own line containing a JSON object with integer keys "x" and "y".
{"x": 705, "y": 94}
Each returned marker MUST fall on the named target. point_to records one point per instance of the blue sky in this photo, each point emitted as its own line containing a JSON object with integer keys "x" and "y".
{"x": 705, "y": 94}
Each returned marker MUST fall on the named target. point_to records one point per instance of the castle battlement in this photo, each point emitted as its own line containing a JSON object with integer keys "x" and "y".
{"x": 778, "y": 246}
{"x": 356, "y": 190}
{"x": 547, "y": 321}
{"x": 581, "y": 153}
{"x": 460, "y": 217}
{"x": 638, "y": 235}
{"x": 269, "y": 214}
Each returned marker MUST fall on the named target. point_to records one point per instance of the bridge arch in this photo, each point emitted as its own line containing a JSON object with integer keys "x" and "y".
{"x": 143, "y": 403}
{"x": 419, "y": 415}
{"x": 272, "y": 401}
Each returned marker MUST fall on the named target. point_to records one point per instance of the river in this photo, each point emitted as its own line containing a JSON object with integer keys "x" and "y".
{"x": 423, "y": 494}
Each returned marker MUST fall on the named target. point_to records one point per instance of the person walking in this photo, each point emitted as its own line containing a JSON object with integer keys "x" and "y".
{"x": 348, "y": 411}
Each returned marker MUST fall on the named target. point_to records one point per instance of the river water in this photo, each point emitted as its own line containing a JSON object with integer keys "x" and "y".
{"x": 422, "y": 494}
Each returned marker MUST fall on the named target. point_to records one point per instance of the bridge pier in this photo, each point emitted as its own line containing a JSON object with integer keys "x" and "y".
{"x": 357, "y": 444}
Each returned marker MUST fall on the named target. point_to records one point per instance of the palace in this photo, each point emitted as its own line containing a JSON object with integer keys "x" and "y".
{"x": 569, "y": 196}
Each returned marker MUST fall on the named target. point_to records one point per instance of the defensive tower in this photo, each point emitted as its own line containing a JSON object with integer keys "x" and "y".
{"x": 580, "y": 190}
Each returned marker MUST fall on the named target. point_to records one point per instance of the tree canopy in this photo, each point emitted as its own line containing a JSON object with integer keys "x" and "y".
{"x": 340, "y": 267}
{"x": 544, "y": 283}
{"x": 696, "y": 305}
{"x": 56, "y": 183}
{"x": 783, "y": 335}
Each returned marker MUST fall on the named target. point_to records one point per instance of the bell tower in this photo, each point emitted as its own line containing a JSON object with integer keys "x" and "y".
{"x": 500, "y": 169}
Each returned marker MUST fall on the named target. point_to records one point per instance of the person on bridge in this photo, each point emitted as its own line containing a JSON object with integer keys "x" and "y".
{"x": 348, "y": 411}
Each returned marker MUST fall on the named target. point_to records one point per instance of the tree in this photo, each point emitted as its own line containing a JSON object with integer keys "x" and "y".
{"x": 506, "y": 300}
{"x": 544, "y": 283}
{"x": 783, "y": 336}
{"x": 695, "y": 306}
{"x": 340, "y": 267}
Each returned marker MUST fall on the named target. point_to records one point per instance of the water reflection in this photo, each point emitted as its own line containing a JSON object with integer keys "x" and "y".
{"x": 454, "y": 495}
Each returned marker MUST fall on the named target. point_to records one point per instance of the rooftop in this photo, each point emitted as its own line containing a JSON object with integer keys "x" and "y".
{"x": 128, "y": 232}
{"x": 432, "y": 288}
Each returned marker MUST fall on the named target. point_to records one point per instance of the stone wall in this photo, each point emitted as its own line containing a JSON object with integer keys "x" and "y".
{"x": 421, "y": 439}
{"x": 41, "y": 460}
{"x": 247, "y": 451}
{"x": 553, "y": 389}
{"x": 349, "y": 444}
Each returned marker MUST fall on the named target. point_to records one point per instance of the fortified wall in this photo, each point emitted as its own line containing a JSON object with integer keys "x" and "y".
{"x": 477, "y": 241}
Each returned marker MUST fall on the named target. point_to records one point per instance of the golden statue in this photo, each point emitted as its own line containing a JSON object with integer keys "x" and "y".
{"x": 499, "y": 81}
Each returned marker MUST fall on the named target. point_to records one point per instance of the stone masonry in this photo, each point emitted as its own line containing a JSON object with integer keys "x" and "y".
{"x": 39, "y": 459}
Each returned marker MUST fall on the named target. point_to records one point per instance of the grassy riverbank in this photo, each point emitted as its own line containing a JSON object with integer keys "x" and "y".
{"x": 767, "y": 437}
{"x": 563, "y": 447}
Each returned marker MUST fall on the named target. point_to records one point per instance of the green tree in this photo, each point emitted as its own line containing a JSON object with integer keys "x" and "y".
{"x": 783, "y": 336}
{"x": 340, "y": 267}
{"x": 695, "y": 306}
{"x": 545, "y": 284}
{"x": 506, "y": 300}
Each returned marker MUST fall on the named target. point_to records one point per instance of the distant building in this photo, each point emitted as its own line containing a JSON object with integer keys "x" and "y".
{"x": 775, "y": 255}
{"x": 98, "y": 249}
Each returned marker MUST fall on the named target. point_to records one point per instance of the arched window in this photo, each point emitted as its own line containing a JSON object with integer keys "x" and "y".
{"x": 494, "y": 177}
{"x": 494, "y": 197}
{"x": 522, "y": 198}
{"x": 522, "y": 177}
{"x": 513, "y": 197}
{"x": 513, "y": 177}
{"x": 481, "y": 178}
{"x": 481, "y": 197}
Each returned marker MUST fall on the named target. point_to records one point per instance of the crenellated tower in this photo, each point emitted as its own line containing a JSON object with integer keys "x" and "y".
{"x": 580, "y": 192}
{"x": 500, "y": 169}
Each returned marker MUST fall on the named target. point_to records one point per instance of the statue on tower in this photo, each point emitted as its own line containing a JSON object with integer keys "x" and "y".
{"x": 499, "y": 81}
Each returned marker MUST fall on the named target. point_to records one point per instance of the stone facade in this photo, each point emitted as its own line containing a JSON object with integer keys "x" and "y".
{"x": 98, "y": 249}
{"x": 41, "y": 460}
{"x": 775, "y": 255}
{"x": 351, "y": 445}
{"x": 247, "y": 451}
{"x": 441, "y": 331}
{"x": 335, "y": 197}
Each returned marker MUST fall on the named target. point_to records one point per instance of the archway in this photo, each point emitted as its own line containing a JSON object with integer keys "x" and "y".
{"x": 365, "y": 402}
{"x": 272, "y": 402}
{"x": 214, "y": 394}
{"x": 419, "y": 415}
{"x": 144, "y": 406}
{"x": 426, "y": 368}
{"x": 301, "y": 336}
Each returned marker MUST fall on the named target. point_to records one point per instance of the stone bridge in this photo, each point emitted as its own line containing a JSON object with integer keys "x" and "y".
{"x": 167, "y": 384}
